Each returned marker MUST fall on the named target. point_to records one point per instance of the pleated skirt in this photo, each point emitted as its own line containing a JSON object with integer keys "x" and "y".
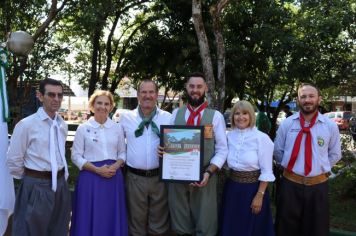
{"x": 99, "y": 207}
{"x": 236, "y": 216}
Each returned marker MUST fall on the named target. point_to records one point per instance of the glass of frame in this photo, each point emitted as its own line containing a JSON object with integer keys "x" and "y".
{"x": 182, "y": 160}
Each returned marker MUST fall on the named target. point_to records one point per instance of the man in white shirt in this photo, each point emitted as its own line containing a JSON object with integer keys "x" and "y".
{"x": 146, "y": 196}
{"x": 193, "y": 207}
{"x": 36, "y": 156}
{"x": 307, "y": 146}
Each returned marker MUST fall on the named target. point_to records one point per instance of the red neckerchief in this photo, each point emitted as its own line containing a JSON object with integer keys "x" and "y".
{"x": 196, "y": 113}
{"x": 308, "y": 145}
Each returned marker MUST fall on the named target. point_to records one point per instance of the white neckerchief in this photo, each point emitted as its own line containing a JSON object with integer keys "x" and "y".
{"x": 53, "y": 134}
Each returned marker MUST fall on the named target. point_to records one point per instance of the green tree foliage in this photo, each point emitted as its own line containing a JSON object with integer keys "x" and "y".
{"x": 272, "y": 46}
{"x": 39, "y": 18}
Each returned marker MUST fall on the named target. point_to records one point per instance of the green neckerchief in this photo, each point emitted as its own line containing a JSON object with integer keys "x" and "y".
{"x": 146, "y": 121}
{"x": 3, "y": 95}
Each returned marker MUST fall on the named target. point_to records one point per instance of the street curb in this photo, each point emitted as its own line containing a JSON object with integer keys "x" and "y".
{"x": 337, "y": 232}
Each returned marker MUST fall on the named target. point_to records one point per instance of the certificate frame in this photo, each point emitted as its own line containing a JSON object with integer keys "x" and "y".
{"x": 182, "y": 161}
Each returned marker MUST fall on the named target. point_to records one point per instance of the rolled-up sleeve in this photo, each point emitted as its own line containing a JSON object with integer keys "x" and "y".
{"x": 78, "y": 148}
{"x": 17, "y": 150}
{"x": 265, "y": 158}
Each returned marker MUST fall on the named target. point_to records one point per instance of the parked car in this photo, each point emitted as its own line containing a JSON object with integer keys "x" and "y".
{"x": 341, "y": 118}
{"x": 65, "y": 114}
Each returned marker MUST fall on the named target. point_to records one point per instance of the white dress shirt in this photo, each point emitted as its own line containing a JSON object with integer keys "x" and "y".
{"x": 29, "y": 145}
{"x": 142, "y": 150}
{"x": 219, "y": 129}
{"x": 250, "y": 150}
{"x": 326, "y": 149}
{"x": 95, "y": 142}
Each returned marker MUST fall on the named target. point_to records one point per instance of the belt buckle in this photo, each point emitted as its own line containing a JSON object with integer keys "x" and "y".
{"x": 306, "y": 180}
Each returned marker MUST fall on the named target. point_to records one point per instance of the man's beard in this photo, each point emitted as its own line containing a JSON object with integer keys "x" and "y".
{"x": 309, "y": 111}
{"x": 196, "y": 102}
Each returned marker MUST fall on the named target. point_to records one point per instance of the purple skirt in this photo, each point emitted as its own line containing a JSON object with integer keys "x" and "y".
{"x": 237, "y": 218}
{"x": 99, "y": 206}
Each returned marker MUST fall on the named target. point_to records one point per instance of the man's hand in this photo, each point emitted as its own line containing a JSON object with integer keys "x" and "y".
{"x": 160, "y": 151}
{"x": 202, "y": 183}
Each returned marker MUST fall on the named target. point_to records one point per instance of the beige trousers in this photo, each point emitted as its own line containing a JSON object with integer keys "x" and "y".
{"x": 147, "y": 205}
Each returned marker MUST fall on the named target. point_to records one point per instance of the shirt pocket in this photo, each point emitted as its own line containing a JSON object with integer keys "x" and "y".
{"x": 322, "y": 143}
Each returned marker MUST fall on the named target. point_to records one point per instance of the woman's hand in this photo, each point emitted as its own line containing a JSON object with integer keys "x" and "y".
{"x": 256, "y": 205}
{"x": 105, "y": 171}
{"x": 117, "y": 165}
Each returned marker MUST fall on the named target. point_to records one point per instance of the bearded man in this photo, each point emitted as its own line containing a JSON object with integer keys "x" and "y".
{"x": 193, "y": 207}
{"x": 307, "y": 146}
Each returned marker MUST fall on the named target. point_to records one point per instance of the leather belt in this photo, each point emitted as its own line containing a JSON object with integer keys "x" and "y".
{"x": 245, "y": 176}
{"x": 43, "y": 174}
{"x": 299, "y": 179}
{"x": 145, "y": 173}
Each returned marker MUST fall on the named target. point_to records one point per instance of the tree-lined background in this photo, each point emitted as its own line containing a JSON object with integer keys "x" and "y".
{"x": 255, "y": 50}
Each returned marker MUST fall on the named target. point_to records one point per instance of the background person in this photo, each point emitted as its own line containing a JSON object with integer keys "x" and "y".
{"x": 99, "y": 153}
{"x": 263, "y": 123}
{"x": 287, "y": 110}
{"x": 307, "y": 145}
{"x": 245, "y": 205}
{"x": 36, "y": 156}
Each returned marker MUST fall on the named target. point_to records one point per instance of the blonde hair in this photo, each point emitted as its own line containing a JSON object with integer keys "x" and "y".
{"x": 243, "y": 106}
{"x": 99, "y": 93}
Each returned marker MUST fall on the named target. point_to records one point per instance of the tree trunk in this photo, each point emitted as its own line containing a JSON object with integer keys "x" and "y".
{"x": 215, "y": 11}
{"x": 94, "y": 62}
{"x": 53, "y": 12}
{"x": 204, "y": 51}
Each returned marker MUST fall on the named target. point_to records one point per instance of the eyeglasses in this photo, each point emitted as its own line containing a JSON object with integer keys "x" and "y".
{"x": 53, "y": 95}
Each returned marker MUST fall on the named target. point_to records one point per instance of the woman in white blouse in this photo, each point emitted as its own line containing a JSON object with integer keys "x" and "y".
{"x": 246, "y": 208}
{"x": 99, "y": 152}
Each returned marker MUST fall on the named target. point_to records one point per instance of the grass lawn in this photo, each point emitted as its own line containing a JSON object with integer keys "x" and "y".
{"x": 342, "y": 193}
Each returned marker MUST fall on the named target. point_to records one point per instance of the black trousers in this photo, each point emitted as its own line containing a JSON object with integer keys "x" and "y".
{"x": 302, "y": 210}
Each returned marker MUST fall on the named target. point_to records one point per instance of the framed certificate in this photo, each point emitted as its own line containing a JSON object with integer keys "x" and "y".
{"x": 183, "y": 153}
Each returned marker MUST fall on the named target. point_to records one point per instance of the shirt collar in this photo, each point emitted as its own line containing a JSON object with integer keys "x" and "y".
{"x": 93, "y": 123}
{"x": 44, "y": 116}
{"x": 196, "y": 108}
{"x": 157, "y": 111}
{"x": 246, "y": 130}
{"x": 320, "y": 117}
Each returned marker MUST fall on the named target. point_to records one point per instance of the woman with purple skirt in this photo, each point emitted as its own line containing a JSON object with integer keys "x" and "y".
{"x": 246, "y": 207}
{"x": 99, "y": 152}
